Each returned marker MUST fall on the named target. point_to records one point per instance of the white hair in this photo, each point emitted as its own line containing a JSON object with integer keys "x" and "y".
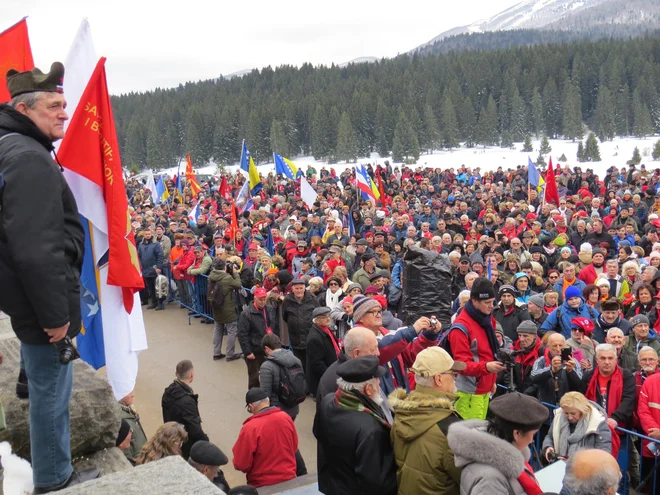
{"x": 630, "y": 264}
{"x": 453, "y": 254}
{"x": 648, "y": 348}
{"x": 612, "y": 330}
{"x": 464, "y": 294}
{"x": 597, "y": 484}
{"x": 425, "y": 381}
{"x": 605, "y": 348}
{"x": 357, "y": 387}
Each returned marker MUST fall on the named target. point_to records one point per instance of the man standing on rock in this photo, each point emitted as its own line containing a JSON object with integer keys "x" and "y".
{"x": 41, "y": 253}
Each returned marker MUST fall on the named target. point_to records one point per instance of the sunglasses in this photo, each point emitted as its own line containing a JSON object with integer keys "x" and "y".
{"x": 333, "y": 284}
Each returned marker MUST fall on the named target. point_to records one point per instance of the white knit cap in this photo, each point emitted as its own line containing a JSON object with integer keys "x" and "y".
{"x": 586, "y": 247}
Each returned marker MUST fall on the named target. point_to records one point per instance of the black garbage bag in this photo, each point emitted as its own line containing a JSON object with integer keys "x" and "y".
{"x": 426, "y": 286}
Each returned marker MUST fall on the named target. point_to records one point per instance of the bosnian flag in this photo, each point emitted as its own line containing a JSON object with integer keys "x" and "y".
{"x": 111, "y": 275}
{"x": 365, "y": 183}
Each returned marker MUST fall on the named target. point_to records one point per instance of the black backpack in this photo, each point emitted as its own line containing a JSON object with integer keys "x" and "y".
{"x": 215, "y": 294}
{"x": 444, "y": 341}
{"x": 293, "y": 387}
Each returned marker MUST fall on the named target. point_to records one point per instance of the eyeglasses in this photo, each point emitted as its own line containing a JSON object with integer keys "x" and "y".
{"x": 375, "y": 313}
{"x": 333, "y": 283}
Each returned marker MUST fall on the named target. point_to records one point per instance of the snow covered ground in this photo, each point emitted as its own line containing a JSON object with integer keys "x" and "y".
{"x": 616, "y": 152}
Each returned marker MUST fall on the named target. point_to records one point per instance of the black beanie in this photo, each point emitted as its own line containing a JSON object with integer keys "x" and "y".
{"x": 482, "y": 289}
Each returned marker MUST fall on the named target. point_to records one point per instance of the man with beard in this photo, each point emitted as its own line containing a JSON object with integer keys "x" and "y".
{"x": 590, "y": 273}
{"x": 354, "y": 435}
{"x": 531, "y": 348}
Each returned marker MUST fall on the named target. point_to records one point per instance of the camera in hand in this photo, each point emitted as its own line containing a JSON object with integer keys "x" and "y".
{"x": 552, "y": 456}
{"x": 66, "y": 351}
{"x": 508, "y": 357}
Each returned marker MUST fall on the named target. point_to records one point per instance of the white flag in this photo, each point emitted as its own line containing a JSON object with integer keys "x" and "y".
{"x": 151, "y": 185}
{"x": 307, "y": 192}
{"x": 124, "y": 335}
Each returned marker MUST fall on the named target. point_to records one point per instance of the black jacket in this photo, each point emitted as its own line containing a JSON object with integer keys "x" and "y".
{"x": 328, "y": 382}
{"x": 544, "y": 380}
{"x": 511, "y": 320}
{"x": 180, "y": 404}
{"x": 41, "y": 237}
{"x": 298, "y": 317}
{"x": 357, "y": 454}
{"x": 320, "y": 355}
{"x": 624, "y": 413}
{"x": 252, "y": 327}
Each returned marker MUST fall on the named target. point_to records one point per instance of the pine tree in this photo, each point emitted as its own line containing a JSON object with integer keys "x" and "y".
{"x": 656, "y": 150}
{"x": 545, "y": 146}
{"x": 155, "y": 147}
{"x": 562, "y": 158}
{"x": 518, "y": 117}
{"x": 540, "y": 161}
{"x": 449, "y": 124}
{"x": 572, "y": 113}
{"x": 643, "y": 126}
{"x": 405, "y": 143}
{"x": 469, "y": 120}
{"x": 346, "y": 141}
{"x": 636, "y": 157}
{"x": 623, "y": 111}
{"x": 278, "y": 140}
{"x": 333, "y": 127}
{"x": 580, "y": 152}
{"x": 226, "y": 144}
{"x": 256, "y": 140}
{"x": 319, "y": 133}
{"x": 537, "y": 112}
{"x": 551, "y": 109}
{"x": 432, "y": 129}
{"x": 507, "y": 139}
{"x": 136, "y": 151}
{"x": 527, "y": 146}
{"x": 193, "y": 140}
{"x": 418, "y": 126}
{"x": 487, "y": 124}
{"x": 591, "y": 149}
{"x": 605, "y": 123}
{"x": 384, "y": 131}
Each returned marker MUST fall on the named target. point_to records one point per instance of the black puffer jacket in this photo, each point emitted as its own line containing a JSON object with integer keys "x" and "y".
{"x": 320, "y": 355}
{"x": 180, "y": 404}
{"x": 41, "y": 237}
{"x": 511, "y": 318}
{"x": 252, "y": 327}
{"x": 298, "y": 317}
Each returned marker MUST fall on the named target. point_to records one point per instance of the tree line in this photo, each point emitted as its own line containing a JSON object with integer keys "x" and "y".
{"x": 402, "y": 106}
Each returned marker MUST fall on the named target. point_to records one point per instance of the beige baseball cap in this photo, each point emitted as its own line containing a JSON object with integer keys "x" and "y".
{"x": 434, "y": 360}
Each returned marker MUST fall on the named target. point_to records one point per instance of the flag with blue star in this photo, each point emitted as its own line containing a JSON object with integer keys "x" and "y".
{"x": 90, "y": 340}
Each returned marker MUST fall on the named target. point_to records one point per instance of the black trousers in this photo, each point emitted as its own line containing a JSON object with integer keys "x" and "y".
{"x": 149, "y": 292}
{"x": 302, "y": 355}
{"x": 253, "y": 366}
{"x": 651, "y": 486}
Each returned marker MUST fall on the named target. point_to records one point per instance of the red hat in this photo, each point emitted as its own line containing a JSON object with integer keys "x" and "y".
{"x": 253, "y": 246}
{"x": 347, "y": 300}
{"x": 531, "y": 216}
{"x": 382, "y": 300}
{"x": 260, "y": 292}
{"x": 584, "y": 324}
{"x": 581, "y": 213}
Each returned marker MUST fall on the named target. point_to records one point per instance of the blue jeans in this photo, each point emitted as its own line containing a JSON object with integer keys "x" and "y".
{"x": 49, "y": 384}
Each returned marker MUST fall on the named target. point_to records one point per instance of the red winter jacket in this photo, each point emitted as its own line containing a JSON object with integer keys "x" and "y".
{"x": 187, "y": 260}
{"x": 588, "y": 274}
{"x": 475, "y": 379}
{"x": 266, "y": 448}
{"x": 648, "y": 408}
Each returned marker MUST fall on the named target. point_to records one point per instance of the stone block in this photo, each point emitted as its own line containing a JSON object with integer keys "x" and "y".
{"x": 107, "y": 460}
{"x": 169, "y": 476}
{"x": 95, "y": 416}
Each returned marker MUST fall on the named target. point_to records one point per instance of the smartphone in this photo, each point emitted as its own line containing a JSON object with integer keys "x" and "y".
{"x": 565, "y": 354}
{"x": 578, "y": 355}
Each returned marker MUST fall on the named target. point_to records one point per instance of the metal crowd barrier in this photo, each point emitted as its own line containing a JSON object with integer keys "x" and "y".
{"x": 623, "y": 459}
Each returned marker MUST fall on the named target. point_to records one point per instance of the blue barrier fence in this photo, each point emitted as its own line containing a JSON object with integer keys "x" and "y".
{"x": 628, "y": 439}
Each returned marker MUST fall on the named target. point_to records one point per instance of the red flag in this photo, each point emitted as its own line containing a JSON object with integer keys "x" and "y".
{"x": 233, "y": 228}
{"x": 190, "y": 175}
{"x": 551, "y": 194}
{"x": 90, "y": 149}
{"x": 15, "y": 53}
{"x": 224, "y": 189}
{"x": 384, "y": 199}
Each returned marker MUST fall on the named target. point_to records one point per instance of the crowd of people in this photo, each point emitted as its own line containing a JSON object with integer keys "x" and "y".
{"x": 551, "y": 302}
{"x": 554, "y": 326}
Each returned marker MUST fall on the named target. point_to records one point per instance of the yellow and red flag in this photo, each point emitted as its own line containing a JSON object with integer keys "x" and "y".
{"x": 15, "y": 53}
{"x": 190, "y": 176}
{"x": 90, "y": 150}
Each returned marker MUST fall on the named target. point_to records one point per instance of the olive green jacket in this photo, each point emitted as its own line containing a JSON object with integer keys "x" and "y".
{"x": 425, "y": 463}
{"x": 139, "y": 438}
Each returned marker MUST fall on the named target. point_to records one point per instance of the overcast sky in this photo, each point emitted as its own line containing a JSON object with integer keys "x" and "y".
{"x": 161, "y": 43}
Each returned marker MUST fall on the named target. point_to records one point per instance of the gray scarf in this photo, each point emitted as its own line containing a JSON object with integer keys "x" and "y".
{"x": 567, "y": 443}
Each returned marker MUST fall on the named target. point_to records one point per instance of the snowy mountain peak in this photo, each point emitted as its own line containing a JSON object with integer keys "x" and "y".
{"x": 528, "y": 14}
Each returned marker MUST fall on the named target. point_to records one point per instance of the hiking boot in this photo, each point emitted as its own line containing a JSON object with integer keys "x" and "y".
{"x": 218, "y": 357}
{"x": 76, "y": 478}
{"x": 22, "y": 385}
{"x": 235, "y": 357}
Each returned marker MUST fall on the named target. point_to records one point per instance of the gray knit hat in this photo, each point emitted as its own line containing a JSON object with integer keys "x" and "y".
{"x": 527, "y": 326}
{"x": 538, "y": 300}
{"x": 362, "y": 305}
